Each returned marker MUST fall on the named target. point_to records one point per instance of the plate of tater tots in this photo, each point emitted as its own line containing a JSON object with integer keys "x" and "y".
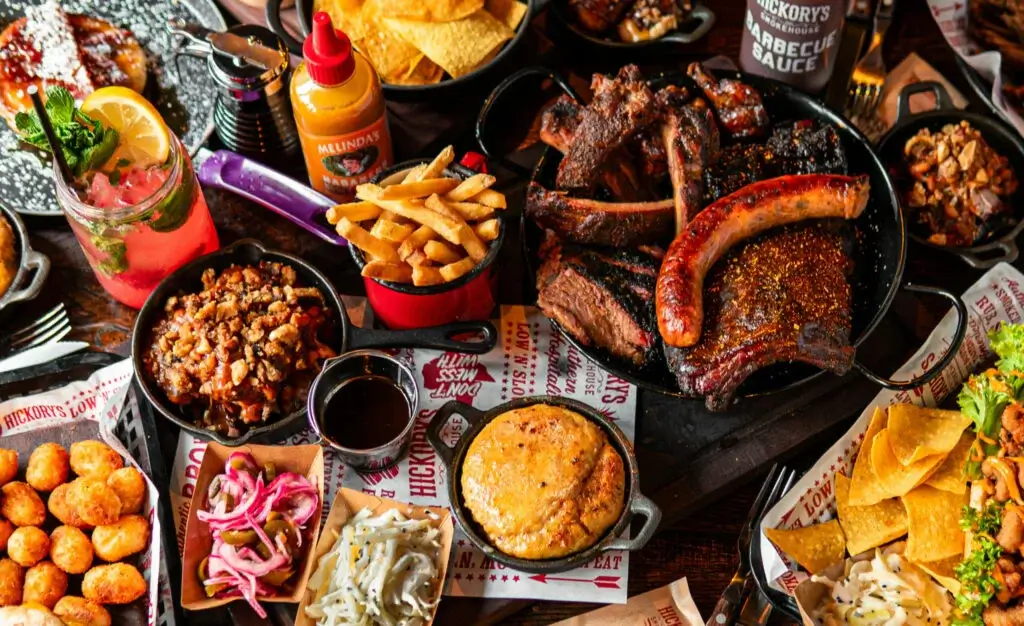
{"x": 72, "y": 530}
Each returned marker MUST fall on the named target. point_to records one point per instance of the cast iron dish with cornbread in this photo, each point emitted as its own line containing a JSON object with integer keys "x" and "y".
{"x": 542, "y": 484}
{"x": 18, "y": 260}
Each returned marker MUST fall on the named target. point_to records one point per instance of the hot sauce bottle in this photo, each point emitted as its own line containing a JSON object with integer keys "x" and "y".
{"x": 339, "y": 112}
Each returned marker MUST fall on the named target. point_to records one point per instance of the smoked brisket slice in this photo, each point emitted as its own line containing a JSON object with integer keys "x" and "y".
{"x": 601, "y": 297}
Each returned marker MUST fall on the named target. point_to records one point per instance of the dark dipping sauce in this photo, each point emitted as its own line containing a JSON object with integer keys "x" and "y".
{"x": 365, "y": 412}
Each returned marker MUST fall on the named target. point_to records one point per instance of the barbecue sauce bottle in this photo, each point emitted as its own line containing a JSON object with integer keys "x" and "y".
{"x": 339, "y": 112}
{"x": 794, "y": 41}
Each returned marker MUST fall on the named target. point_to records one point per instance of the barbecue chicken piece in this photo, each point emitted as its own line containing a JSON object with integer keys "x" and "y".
{"x": 737, "y": 105}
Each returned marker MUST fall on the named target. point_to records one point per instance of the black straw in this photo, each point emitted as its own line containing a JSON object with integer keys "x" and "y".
{"x": 51, "y": 137}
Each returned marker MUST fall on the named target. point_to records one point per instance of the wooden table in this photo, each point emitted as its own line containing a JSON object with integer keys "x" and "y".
{"x": 701, "y": 547}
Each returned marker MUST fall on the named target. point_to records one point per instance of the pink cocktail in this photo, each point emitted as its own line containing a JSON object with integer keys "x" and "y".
{"x": 138, "y": 225}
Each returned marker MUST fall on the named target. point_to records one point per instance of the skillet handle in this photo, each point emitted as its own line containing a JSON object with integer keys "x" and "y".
{"x": 1007, "y": 252}
{"x": 644, "y": 506}
{"x": 942, "y": 100}
{"x": 705, "y": 16}
{"x": 503, "y": 86}
{"x": 436, "y": 338}
{"x": 40, "y": 263}
{"x": 437, "y": 424}
{"x": 272, "y": 14}
{"x": 936, "y": 369}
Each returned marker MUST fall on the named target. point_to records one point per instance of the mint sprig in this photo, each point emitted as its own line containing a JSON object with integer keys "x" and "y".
{"x": 86, "y": 144}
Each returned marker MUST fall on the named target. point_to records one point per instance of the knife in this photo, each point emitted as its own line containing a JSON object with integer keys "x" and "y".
{"x": 41, "y": 354}
{"x": 855, "y": 32}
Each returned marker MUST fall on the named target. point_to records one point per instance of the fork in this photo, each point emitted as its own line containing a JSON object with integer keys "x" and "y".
{"x": 775, "y": 486}
{"x": 53, "y": 326}
{"x": 869, "y": 74}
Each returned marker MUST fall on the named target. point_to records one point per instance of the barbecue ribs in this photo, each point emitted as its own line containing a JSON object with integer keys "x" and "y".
{"x": 690, "y": 137}
{"x": 583, "y": 220}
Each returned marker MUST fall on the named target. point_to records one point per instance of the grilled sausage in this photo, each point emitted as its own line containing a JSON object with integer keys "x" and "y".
{"x": 751, "y": 210}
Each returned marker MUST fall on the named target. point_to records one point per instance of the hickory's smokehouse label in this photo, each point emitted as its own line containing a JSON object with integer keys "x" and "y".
{"x": 791, "y": 41}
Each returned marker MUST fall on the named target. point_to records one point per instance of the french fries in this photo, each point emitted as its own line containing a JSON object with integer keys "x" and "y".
{"x": 426, "y": 229}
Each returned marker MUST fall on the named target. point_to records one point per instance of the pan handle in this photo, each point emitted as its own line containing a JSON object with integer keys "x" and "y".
{"x": 943, "y": 102}
{"x": 940, "y": 365}
{"x": 436, "y": 337}
{"x": 1007, "y": 249}
{"x": 34, "y": 261}
{"x": 644, "y": 506}
{"x": 503, "y": 86}
{"x": 437, "y": 423}
{"x": 272, "y": 14}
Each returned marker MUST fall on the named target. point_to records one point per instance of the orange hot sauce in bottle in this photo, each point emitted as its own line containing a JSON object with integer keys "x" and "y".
{"x": 340, "y": 114}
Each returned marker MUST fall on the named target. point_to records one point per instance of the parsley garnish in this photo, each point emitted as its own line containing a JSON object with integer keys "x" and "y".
{"x": 977, "y": 584}
{"x": 86, "y": 144}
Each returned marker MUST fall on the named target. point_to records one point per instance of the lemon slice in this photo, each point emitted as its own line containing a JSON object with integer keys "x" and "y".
{"x": 144, "y": 139}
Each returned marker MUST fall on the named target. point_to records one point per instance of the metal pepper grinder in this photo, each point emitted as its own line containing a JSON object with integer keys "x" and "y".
{"x": 250, "y": 64}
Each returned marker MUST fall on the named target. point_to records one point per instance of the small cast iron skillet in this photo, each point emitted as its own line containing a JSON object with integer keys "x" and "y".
{"x": 1001, "y": 245}
{"x": 468, "y": 297}
{"x": 494, "y": 68}
{"x": 29, "y": 261}
{"x": 453, "y": 456}
{"x": 342, "y": 338}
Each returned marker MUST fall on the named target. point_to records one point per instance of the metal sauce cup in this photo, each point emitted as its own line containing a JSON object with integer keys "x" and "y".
{"x": 356, "y": 364}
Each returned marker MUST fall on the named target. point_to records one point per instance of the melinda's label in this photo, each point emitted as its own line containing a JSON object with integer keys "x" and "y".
{"x": 337, "y": 163}
{"x": 792, "y": 41}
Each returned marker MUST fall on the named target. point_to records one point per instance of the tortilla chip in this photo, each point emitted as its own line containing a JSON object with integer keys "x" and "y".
{"x": 431, "y": 11}
{"x": 868, "y": 527}
{"x": 509, "y": 12}
{"x": 346, "y": 15}
{"x": 391, "y": 56}
{"x": 813, "y": 547}
{"x": 950, "y": 475}
{"x": 458, "y": 47}
{"x": 933, "y": 518}
{"x": 916, "y": 433}
{"x": 942, "y": 572}
{"x": 425, "y": 72}
{"x": 897, "y": 480}
{"x": 865, "y": 489}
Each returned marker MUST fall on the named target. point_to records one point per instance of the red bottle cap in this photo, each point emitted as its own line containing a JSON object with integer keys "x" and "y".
{"x": 328, "y": 53}
{"x": 474, "y": 161}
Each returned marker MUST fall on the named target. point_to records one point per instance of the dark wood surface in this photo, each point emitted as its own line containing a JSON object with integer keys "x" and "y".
{"x": 700, "y": 546}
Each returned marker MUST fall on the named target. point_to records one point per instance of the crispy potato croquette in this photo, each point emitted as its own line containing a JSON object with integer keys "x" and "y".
{"x": 130, "y": 487}
{"x": 21, "y": 505}
{"x": 75, "y": 611}
{"x": 6, "y": 528}
{"x": 61, "y": 508}
{"x": 93, "y": 501}
{"x": 12, "y": 582}
{"x": 28, "y": 545}
{"x": 71, "y": 550}
{"x": 123, "y": 538}
{"x": 94, "y": 459}
{"x": 118, "y": 583}
{"x": 48, "y": 466}
{"x": 45, "y": 584}
{"x": 8, "y": 465}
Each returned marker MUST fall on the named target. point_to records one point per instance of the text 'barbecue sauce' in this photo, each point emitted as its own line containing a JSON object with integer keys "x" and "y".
{"x": 365, "y": 412}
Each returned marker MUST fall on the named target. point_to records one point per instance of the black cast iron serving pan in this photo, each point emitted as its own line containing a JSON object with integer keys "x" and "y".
{"x": 1001, "y": 244}
{"x": 29, "y": 262}
{"x": 879, "y": 253}
{"x": 453, "y": 456}
{"x": 342, "y": 338}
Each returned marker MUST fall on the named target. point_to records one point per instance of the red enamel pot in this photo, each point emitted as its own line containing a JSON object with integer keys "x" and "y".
{"x": 472, "y": 296}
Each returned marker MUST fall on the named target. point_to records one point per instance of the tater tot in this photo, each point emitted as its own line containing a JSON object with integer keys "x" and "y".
{"x": 6, "y": 528}
{"x": 130, "y": 487}
{"x": 28, "y": 545}
{"x": 45, "y": 584}
{"x": 125, "y": 537}
{"x": 8, "y": 465}
{"x": 94, "y": 459}
{"x": 75, "y": 611}
{"x": 48, "y": 466}
{"x": 93, "y": 501}
{"x": 12, "y": 582}
{"x": 21, "y": 505}
{"x": 117, "y": 583}
{"x": 70, "y": 550}
{"x": 61, "y": 508}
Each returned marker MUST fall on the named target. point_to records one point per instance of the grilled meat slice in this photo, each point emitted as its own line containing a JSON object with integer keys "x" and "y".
{"x": 737, "y": 105}
{"x": 782, "y": 297}
{"x": 599, "y": 15}
{"x": 602, "y": 298}
{"x": 691, "y": 139}
{"x": 621, "y": 106}
{"x": 559, "y": 121}
{"x": 801, "y": 147}
{"x": 582, "y": 220}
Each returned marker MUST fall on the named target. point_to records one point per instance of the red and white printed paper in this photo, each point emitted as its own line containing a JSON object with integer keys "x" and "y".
{"x": 531, "y": 358}
{"x": 100, "y": 398}
{"x": 998, "y": 297}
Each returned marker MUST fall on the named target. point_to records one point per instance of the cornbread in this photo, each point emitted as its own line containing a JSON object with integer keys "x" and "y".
{"x": 543, "y": 482}
{"x": 8, "y": 256}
